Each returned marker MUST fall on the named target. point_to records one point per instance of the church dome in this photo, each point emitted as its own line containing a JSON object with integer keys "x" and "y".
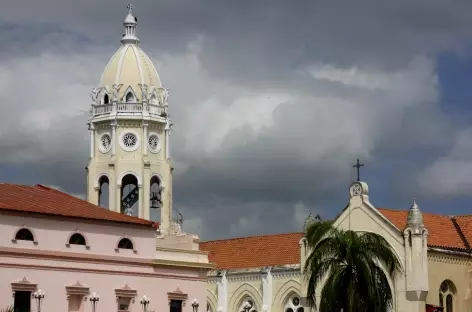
{"x": 130, "y": 66}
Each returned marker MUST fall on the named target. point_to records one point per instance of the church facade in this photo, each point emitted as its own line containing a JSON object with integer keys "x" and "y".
{"x": 264, "y": 273}
{"x": 62, "y": 253}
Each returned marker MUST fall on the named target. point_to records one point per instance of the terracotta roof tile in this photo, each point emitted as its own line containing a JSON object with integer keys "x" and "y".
{"x": 441, "y": 229}
{"x": 45, "y": 200}
{"x": 255, "y": 251}
{"x": 465, "y": 224}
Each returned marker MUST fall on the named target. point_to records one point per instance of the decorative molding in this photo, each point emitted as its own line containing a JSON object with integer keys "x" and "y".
{"x": 77, "y": 289}
{"x": 127, "y": 237}
{"x": 99, "y": 176}
{"x": 15, "y": 241}
{"x": 129, "y": 148}
{"x": 159, "y": 143}
{"x": 87, "y": 246}
{"x": 23, "y": 285}
{"x": 125, "y": 292}
{"x": 101, "y": 148}
{"x": 177, "y": 294}
{"x": 120, "y": 178}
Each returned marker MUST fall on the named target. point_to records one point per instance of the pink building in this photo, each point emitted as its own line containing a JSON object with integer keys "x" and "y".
{"x": 74, "y": 252}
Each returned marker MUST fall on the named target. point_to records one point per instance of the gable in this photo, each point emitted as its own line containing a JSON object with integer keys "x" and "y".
{"x": 361, "y": 216}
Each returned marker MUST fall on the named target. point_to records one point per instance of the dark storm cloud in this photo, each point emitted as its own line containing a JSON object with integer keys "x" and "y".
{"x": 273, "y": 102}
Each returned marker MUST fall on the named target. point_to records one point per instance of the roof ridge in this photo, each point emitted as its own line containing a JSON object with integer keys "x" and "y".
{"x": 248, "y": 237}
{"x": 425, "y": 212}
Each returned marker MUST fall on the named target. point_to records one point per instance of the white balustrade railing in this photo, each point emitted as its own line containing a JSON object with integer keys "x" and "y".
{"x": 102, "y": 109}
{"x": 129, "y": 107}
{"x": 156, "y": 109}
{"x": 153, "y": 109}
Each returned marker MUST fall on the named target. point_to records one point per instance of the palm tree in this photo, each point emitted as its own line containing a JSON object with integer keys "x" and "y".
{"x": 352, "y": 265}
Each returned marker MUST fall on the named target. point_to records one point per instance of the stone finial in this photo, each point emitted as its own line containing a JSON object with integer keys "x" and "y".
{"x": 358, "y": 188}
{"x": 415, "y": 217}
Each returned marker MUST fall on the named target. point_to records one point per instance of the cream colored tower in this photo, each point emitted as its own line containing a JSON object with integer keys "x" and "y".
{"x": 130, "y": 129}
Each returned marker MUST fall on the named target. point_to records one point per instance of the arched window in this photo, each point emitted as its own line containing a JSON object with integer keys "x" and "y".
{"x": 125, "y": 243}
{"x": 130, "y": 97}
{"x": 129, "y": 195}
{"x": 293, "y": 304}
{"x": 447, "y": 290}
{"x": 77, "y": 239}
{"x": 25, "y": 235}
{"x": 103, "y": 191}
{"x": 106, "y": 99}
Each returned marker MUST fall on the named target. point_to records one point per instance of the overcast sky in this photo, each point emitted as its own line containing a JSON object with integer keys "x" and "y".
{"x": 273, "y": 102}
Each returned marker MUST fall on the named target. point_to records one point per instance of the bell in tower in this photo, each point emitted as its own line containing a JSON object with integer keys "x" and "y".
{"x": 130, "y": 170}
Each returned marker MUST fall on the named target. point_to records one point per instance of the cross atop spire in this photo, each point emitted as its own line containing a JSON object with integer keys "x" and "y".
{"x": 130, "y": 8}
{"x": 358, "y": 165}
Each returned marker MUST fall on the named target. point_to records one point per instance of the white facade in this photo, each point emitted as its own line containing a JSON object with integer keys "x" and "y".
{"x": 130, "y": 135}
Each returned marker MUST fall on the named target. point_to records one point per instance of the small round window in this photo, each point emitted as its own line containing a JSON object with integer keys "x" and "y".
{"x": 105, "y": 143}
{"x": 129, "y": 141}
{"x": 154, "y": 144}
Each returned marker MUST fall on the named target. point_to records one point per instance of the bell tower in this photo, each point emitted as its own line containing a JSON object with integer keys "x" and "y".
{"x": 130, "y": 169}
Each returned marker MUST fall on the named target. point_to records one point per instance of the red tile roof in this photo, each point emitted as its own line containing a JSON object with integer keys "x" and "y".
{"x": 44, "y": 200}
{"x": 254, "y": 251}
{"x": 283, "y": 249}
{"x": 465, "y": 226}
{"x": 441, "y": 229}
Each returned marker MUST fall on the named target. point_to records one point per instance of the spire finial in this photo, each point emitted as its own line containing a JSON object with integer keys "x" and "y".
{"x": 130, "y": 23}
{"x": 415, "y": 217}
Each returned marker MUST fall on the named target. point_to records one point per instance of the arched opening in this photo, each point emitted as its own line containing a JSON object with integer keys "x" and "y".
{"x": 125, "y": 243}
{"x": 130, "y": 97}
{"x": 447, "y": 292}
{"x": 293, "y": 304}
{"x": 129, "y": 195}
{"x": 25, "y": 235}
{"x": 77, "y": 239}
{"x": 247, "y": 305}
{"x": 103, "y": 192}
{"x": 155, "y": 197}
{"x": 106, "y": 99}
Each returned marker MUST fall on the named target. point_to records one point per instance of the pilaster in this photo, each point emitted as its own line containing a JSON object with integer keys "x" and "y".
{"x": 222, "y": 287}
{"x": 267, "y": 287}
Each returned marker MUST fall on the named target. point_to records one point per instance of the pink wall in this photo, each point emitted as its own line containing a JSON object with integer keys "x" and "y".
{"x": 102, "y": 237}
{"x": 53, "y": 266}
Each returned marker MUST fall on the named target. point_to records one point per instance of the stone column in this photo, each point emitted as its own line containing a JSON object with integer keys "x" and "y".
{"x": 113, "y": 139}
{"x": 141, "y": 202}
{"x": 267, "y": 291}
{"x": 92, "y": 141}
{"x": 222, "y": 285}
{"x": 145, "y": 135}
{"x": 118, "y": 198}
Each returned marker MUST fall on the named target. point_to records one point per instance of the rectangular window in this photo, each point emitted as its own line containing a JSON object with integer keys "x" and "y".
{"x": 123, "y": 303}
{"x": 176, "y": 306}
{"x": 76, "y": 303}
{"x": 22, "y": 302}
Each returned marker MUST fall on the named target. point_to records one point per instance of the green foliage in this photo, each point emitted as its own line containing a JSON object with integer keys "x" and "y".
{"x": 356, "y": 267}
